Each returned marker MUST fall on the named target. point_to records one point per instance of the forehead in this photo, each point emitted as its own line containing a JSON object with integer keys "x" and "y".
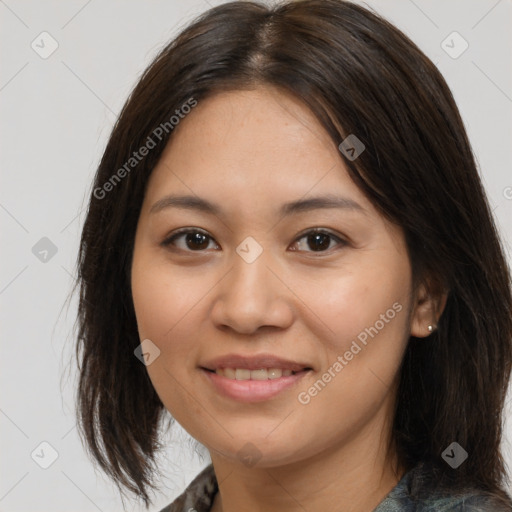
{"x": 243, "y": 147}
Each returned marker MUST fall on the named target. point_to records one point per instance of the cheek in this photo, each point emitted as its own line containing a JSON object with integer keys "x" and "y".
{"x": 361, "y": 358}
{"x": 161, "y": 301}
{"x": 165, "y": 303}
{"x": 367, "y": 312}
{"x": 163, "y": 298}
{"x": 358, "y": 302}
{"x": 171, "y": 307}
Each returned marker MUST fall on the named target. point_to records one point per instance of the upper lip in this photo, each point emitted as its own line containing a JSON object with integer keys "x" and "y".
{"x": 254, "y": 362}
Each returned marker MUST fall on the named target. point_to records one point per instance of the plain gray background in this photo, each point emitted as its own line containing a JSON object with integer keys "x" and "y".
{"x": 56, "y": 113}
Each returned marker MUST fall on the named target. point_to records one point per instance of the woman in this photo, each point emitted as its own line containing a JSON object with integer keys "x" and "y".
{"x": 288, "y": 229}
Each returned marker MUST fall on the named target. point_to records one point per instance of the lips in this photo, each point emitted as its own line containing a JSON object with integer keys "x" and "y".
{"x": 255, "y": 362}
{"x": 261, "y": 374}
{"x": 253, "y": 378}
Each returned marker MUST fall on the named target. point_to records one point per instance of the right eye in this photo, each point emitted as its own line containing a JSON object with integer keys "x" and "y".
{"x": 189, "y": 240}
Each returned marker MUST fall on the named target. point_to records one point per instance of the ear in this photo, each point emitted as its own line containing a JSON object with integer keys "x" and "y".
{"x": 427, "y": 310}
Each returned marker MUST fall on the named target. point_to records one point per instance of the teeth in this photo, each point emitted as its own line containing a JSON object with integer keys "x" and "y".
{"x": 242, "y": 374}
{"x": 260, "y": 374}
{"x": 229, "y": 373}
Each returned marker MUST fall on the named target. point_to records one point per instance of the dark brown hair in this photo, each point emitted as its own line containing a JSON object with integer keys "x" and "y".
{"x": 359, "y": 75}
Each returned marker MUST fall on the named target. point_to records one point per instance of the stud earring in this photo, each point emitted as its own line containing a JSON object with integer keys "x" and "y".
{"x": 431, "y": 328}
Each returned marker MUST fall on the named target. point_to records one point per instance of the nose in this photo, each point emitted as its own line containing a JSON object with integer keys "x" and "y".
{"x": 252, "y": 296}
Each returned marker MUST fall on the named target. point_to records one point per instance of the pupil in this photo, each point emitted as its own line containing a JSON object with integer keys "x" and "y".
{"x": 194, "y": 241}
{"x": 317, "y": 239}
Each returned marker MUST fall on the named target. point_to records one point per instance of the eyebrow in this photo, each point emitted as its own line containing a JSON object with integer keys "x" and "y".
{"x": 196, "y": 203}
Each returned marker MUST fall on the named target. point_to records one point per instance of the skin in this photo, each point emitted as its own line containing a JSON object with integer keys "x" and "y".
{"x": 249, "y": 152}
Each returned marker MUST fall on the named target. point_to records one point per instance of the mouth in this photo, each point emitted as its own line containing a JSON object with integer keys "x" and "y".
{"x": 257, "y": 362}
{"x": 253, "y": 378}
{"x": 258, "y": 374}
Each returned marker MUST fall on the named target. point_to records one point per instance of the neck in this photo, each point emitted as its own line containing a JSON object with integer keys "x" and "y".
{"x": 353, "y": 476}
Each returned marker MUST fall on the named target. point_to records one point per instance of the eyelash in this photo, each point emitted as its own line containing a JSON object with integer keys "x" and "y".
{"x": 184, "y": 231}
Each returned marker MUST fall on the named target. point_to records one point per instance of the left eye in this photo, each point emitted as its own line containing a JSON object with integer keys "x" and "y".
{"x": 319, "y": 241}
{"x": 197, "y": 240}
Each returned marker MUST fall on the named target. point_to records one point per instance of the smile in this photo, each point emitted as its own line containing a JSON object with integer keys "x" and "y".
{"x": 260, "y": 374}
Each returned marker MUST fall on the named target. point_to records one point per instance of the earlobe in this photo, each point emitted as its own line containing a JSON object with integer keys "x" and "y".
{"x": 427, "y": 311}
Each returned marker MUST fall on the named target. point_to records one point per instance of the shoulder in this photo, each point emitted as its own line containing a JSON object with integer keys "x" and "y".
{"x": 415, "y": 492}
{"x": 198, "y": 496}
{"x": 418, "y": 491}
{"x": 469, "y": 502}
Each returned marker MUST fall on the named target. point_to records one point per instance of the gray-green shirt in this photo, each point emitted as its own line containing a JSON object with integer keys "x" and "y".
{"x": 409, "y": 495}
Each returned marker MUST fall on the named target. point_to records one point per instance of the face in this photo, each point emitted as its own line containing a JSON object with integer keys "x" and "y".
{"x": 279, "y": 298}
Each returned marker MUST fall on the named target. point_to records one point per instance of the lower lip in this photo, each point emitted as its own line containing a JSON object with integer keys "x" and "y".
{"x": 252, "y": 390}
